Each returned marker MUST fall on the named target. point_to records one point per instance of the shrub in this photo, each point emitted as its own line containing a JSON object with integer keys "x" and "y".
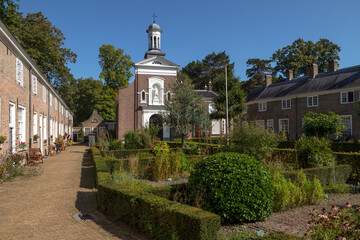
{"x": 10, "y": 166}
{"x": 337, "y": 188}
{"x": 81, "y": 136}
{"x": 339, "y": 223}
{"x": 116, "y": 145}
{"x": 132, "y": 140}
{"x": 319, "y": 124}
{"x": 253, "y": 140}
{"x": 314, "y": 152}
{"x": 235, "y": 186}
{"x": 352, "y": 159}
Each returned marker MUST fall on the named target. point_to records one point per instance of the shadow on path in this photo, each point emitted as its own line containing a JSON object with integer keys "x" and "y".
{"x": 86, "y": 202}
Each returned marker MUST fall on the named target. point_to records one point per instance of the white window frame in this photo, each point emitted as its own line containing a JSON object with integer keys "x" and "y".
{"x": 34, "y": 84}
{"x": 56, "y": 104}
{"x": 22, "y": 123}
{"x": 35, "y": 123}
{"x": 262, "y": 107}
{"x": 286, "y": 104}
{"x": 44, "y": 94}
{"x": 346, "y": 96}
{"x": 50, "y": 99}
{"x": 311, "y": 98}
{"x": 270, "y": 124}
{"x": 351, "y": 126}
{"x": 19, "y": 72}
{"x": 281, "y": 126}
{"x": 45, "y": 128}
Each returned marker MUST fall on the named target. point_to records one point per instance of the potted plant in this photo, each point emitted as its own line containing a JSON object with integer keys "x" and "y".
{"x": 36, "y": 137}
{"x": 45, "y": 141}
{"x": 22, "y": 145}
{"x": 2, "y": 140}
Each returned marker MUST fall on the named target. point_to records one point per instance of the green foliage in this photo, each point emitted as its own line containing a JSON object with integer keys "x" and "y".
{"x": 253, "y": 140}
{"x": 116, "y": 66}
{"x": 314, "y": 152}
{"x": 132, "y": 140}
{"x": 351, "y": 159}
{"x": 319, "y": 124}
{"x": 235, "y": 186}
{"x": 326, "y": 175}
{"x": 337, "y": 188}
{"x": 126, "y": 153}
{"x": 302, "y": 53}
{"x": 339, "y": 223}
{"x": 191, "y": 148}
{"x": 161, "y": 148}
{"x": 187, "y": 109}
{"x": 239, "y": 234}
{"x": 81, "y": 136}
{"x": 116, "y": 145}
{"x": 11, "y": 166}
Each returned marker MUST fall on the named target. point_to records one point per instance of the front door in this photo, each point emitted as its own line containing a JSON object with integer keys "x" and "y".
{"x": 41, "y": 132}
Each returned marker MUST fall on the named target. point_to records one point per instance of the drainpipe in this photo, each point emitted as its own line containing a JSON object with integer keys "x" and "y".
{"x": 296, "y": 118}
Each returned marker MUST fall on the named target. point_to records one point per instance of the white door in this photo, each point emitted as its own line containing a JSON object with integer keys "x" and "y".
{"x": 41, "y": 132}
{"x": 12, "y": 128}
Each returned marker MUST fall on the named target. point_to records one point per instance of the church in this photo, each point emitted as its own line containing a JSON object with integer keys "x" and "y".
{"x": 142, "y": 101}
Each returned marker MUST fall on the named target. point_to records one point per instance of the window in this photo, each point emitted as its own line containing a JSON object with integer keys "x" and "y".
{"x": 347, "y": 122}
{"x": 50, "y": 99}
{"x": 143, "y": 96}
{"x": 87, "y": 131}
{"x": 212, "y": 108}
{"x": 168, "y": 96}
{"x": 62, "y": 109}
{"x": 56, "y": 104}
{"x": 347, "y": 97}
{"x": 35, "y": 129}
{"x": 270, "y": 124}
{"x": 45, "y": 128}
{"x": 313, "y": 101}
{"x": 260, "y": 123}
{"x": 19, "y": 72}
{"x": 44, "y": 93}
{"x": 34, "y": 84}
{"x": 262, "y": 107}
{"x": 286, "y": 104}
{"x": 284, "y": 125}
{"x": 22, "y": 124}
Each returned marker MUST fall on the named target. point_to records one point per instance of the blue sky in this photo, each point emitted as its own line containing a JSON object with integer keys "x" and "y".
{"x": 192, "y": 29}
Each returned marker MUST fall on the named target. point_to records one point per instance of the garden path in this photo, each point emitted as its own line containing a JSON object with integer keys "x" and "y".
{"x": 294, "y": 221}
{"x": 42, "y": 207}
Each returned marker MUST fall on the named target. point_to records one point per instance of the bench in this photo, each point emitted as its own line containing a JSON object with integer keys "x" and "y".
{"x": 35, "y": 155}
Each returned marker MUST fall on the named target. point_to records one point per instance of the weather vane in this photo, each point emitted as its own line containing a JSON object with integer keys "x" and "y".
{"x": 154, "y": 16}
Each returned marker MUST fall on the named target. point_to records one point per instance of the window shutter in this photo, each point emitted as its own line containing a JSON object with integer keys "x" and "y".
{"x": 34, "y": 78}
{"x": 19, "y": 72}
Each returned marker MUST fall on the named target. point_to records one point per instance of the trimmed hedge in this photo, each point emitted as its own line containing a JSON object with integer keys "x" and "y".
{"x": 335, "y": 146}
{"x": 352, "y": 159}
{"x": 126, "y": 153}
{"x": 324, "y": 174}
{"x": 157, "y": 216}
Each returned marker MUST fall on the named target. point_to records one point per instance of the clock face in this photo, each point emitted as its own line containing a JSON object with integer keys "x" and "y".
{"x": 212, "y": 108}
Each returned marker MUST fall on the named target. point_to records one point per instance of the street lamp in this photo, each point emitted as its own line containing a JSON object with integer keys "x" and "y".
{"x": 227, "y": 106}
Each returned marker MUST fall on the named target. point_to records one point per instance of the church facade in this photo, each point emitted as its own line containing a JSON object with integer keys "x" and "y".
{"x": 141, "y": 102}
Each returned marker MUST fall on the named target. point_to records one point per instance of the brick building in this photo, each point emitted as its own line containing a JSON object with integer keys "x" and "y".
{"x": 29, "y": 104}
{"x": 281, "y": 106}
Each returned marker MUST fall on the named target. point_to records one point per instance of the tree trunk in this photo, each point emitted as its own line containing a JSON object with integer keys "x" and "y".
{"x": 182, "y": 140}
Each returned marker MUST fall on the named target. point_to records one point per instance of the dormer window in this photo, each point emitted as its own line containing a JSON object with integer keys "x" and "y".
{"x": 94, "y": 120}
{"x": 143, "y": 97}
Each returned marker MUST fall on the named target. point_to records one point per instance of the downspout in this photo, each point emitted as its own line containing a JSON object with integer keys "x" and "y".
{"x": 48, "y": 120}
{"x": 30, "y": 108}
{"x": 296, "y": 118}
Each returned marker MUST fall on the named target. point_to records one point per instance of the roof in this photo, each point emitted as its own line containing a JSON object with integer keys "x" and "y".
{"x": 342, "y": 78}
{"x": 207, "y": 93}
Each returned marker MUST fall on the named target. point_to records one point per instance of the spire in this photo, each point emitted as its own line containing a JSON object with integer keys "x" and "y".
{"x": 154, "y": 37}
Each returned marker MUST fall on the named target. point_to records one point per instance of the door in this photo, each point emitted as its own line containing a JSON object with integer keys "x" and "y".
{"x": 12, "y": 128}
{"x": 41, "y": 132}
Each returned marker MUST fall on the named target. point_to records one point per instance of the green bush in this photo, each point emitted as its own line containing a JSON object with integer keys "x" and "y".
{"x": 337, "y": 188}
{"x": 253, "y": 140}
{"x": 132, "y": 140}
{"x": 235, "y": 186}
{"x": 126, "y": 153}
{"x": 326, "y": 175}
{"x": 352, "y": 159}
{"x": 116, "y": 145}
{"x": 314, "y": 152}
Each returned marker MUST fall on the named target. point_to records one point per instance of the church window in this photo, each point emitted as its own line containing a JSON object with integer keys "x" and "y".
{"x": 168, "y": 96}
{"x": 155, "y": 42}
{"x": 143, "y": 96}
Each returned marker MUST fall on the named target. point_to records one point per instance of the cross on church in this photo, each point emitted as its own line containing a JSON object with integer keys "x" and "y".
{"x": 154, "y": 16}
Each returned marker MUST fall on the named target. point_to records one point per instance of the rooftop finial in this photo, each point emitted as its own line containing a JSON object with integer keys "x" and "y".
{"x": 154, "y": 16}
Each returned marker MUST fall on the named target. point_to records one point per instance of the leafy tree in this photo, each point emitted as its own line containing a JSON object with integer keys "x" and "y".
{"x": 186, "y": 110}
{"x": 302, "y": 53}
{"x": 9, "y": 12}
{"x": 319, "y": 124}
{"x": 257, "y": 69}
{"x": 115, "y": 66}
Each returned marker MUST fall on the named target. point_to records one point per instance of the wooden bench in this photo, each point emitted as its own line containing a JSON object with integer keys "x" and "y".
{"x": 35, "y": 155}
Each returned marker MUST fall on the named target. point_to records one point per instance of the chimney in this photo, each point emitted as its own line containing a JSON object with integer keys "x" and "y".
{"x": 312, "y": 70}
{"x": 333, "y": 66}
{"x": 268, "y": 79}
{"x": 210, "y": 86}
{"x": 290, "y": 74}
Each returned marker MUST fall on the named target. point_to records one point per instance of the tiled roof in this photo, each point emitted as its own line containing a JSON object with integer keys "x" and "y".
{"x": 342, "y": 78}
{"x": 207, "y": 94}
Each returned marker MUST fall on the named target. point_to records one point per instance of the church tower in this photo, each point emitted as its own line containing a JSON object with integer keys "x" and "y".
{"x": 141, "y": 102}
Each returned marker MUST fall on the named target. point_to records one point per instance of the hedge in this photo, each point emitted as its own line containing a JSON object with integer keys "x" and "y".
{"x": 324, "y": 174}
{"x": 335, "y": 146}
{"x": 125, "y": 153}
{"x": 157, "y": 216}
{"x": 352, "y": 159}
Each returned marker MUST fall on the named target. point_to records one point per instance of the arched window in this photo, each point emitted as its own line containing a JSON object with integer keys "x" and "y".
{"x": 155, "y": 42}
{"x": 143, "y": 96}
{"x": 168, "y": 96}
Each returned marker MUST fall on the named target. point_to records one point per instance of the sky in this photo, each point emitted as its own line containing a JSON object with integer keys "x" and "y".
{"x": 193, "y": 29}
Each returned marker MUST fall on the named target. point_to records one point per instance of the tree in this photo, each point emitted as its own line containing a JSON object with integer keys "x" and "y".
{"x": 318, "y": 124}
{"x": 302, "y": 53}
{"x": 186, "y": 110}
{"x": 115, "y": 66}
{"x": 257, "y": 69}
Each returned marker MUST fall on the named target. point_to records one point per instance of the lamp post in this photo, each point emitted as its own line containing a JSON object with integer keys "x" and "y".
{"x": 227, "y": 106}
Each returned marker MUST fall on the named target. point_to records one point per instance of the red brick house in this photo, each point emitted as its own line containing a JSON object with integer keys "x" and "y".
{"x": 29, "y": 104}
{"x": 281, "y": 106}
